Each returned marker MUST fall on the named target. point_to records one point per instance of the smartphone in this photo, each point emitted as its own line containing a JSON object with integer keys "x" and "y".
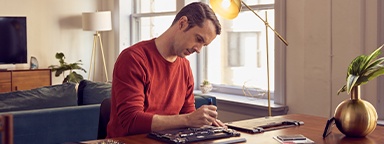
{"x": 291, "y": 137}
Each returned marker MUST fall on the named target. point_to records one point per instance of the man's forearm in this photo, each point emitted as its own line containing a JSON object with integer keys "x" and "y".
{"x": 163, "y": 122}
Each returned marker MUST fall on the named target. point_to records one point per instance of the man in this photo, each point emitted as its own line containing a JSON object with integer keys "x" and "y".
{"x": 152, "y": 86}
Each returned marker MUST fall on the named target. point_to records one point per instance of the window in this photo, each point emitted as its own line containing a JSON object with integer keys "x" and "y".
{"x": 151, "y": 27}
{"x": 238, "y": 52}
{"x": 151, "y": 18}
{"x": 235, "y": 62}
{"x": 155, "y": 6}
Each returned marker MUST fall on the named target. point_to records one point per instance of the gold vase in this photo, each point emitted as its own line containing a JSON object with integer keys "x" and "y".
{"x": 355, "y": 117}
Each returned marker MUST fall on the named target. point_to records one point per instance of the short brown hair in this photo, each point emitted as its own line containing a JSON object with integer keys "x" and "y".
{"x": 197, "y": 13}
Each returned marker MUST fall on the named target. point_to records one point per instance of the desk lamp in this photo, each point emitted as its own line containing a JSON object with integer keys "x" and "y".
{"x": 97, "y": 21}
{"x": 229, "y": 9}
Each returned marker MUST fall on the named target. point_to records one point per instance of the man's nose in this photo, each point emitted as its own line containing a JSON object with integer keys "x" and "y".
{"x": 197, "y": 48}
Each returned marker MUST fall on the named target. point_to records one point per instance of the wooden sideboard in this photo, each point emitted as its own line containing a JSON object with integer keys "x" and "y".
{"x": 24, "y": 79}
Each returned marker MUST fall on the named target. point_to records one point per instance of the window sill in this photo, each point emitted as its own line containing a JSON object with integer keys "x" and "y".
{"x": 255, "y": 102}
{"x": 252, "y": 107}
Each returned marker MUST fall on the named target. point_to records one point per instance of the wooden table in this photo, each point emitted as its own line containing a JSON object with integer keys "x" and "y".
{"x": 313, "y": 129}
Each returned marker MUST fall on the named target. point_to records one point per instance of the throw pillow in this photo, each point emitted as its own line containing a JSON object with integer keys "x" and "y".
{"x": 44, "y": 97}
{"x": 90, "y": 92}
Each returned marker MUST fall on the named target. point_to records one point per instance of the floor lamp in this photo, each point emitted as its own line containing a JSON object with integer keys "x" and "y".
{"x": 229, "y": 9}
{"x": 97, "y": 21}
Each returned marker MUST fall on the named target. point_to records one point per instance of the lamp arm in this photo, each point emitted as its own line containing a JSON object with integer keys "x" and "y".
{"x": 266, "y": 24}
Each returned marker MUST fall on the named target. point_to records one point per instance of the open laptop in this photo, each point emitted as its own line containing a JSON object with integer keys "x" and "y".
{"x": 259, "y": 125}
{"x": 188, "y": 135}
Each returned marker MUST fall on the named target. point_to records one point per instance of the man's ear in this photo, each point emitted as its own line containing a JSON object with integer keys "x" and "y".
{"x": 183, "y": 22}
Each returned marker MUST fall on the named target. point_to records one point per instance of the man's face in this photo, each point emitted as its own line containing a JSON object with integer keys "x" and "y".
{"x": 193, "y": 40}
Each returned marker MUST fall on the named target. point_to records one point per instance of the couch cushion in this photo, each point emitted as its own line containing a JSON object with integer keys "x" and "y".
{"x": 55, "y": 125}
{"x": 90, "y": 92}
{"x": 43, "y": 97}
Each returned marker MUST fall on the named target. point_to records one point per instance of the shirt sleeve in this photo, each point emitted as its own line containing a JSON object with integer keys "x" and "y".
{"x": 128, "y": 91}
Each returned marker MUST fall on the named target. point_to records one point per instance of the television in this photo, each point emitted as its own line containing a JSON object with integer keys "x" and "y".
{"x": 13, "y": 40}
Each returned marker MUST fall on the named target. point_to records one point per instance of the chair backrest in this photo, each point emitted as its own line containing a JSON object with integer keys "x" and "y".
{"x": 105, "y": 110}
{"x": 6, "y": 129}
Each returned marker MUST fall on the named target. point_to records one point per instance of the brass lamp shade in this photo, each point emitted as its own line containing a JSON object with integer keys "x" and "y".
{"x": 228, "y": 9}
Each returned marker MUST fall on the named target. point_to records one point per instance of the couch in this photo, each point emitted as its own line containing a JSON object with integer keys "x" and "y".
{"x": 60, "y": 113}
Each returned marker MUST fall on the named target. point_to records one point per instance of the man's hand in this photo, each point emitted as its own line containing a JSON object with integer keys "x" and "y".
{"x": 219, "y": 123}
{"x": 205, "y": 115}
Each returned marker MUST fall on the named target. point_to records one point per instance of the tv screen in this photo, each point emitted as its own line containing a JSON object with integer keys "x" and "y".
{"x": 13, "y": 40}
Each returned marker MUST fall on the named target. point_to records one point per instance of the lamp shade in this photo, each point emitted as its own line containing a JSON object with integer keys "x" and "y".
{"x": 97, "y": 21}
{"x": 228, "y": 9}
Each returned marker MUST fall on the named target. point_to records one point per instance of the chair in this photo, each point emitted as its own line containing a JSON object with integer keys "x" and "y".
{"x": 6, "y": 129}
{"x": 105, "y": 110}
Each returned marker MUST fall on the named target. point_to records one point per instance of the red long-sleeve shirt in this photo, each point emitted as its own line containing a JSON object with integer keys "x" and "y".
{"x": 144, "y": 84}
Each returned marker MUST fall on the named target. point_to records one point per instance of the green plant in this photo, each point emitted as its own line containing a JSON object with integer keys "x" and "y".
{"x": 60, "y": 69}
{"x": 205, "y": 82}
{"x": 362, "y": 69}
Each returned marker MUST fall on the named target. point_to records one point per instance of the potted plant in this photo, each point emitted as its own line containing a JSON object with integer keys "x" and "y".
{"x": 362, "y": 69}
{"x": 60, "y": 69}
{"x": 355, "y": 117}
{"x": 205, "y": 87}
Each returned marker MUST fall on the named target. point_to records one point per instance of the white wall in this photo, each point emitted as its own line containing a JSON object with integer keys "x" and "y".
{"x": 55, "y": 26}
{"x": 324, "y": 37}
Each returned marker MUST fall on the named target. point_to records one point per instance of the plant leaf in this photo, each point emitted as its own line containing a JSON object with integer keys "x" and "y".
{"x": 363, "y": 69}
{"x": 59, "y": 56}
{"x": 351, "y": 82}
{"x": 74, "y": 66}
{"x": 60, "y": 69}
{"x": 375, "y": 63}
{"x": 74, "y": 77}
{"x": 355, "y": 66}
{"x": 341, "y": 89}
{"x": 53, "y": 66}
{"x": 372, "y": 56}
{"x": 375, "y": 72}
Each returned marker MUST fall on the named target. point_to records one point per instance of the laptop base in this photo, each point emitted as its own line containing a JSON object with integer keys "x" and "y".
{"x": 259, "y": 125}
